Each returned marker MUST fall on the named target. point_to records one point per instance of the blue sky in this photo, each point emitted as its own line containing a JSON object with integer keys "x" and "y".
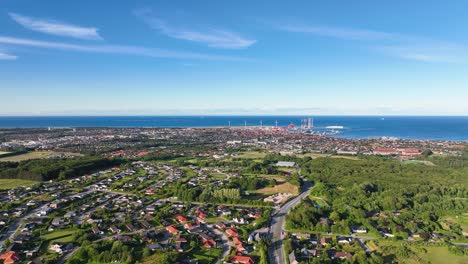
{"x": 233, "y": 57}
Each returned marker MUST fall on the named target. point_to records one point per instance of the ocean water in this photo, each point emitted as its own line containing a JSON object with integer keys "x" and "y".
{"x": 405, "y": 127}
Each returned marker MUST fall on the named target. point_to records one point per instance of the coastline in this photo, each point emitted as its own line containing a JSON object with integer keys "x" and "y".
{"x": 436, "y": 128}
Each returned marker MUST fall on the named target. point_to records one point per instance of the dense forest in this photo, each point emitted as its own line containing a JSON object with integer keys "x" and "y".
{"x": 51, "y": 169}
{"x": 383, "y": 195}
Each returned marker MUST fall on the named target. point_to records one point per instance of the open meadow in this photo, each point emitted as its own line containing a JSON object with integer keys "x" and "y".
{"x": 34, "y": 155}
{"x": 282, "y": 186}
{"x": 6, "y": 184}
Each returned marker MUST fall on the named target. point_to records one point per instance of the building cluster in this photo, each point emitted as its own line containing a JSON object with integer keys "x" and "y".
{"x": 114, "y": 142}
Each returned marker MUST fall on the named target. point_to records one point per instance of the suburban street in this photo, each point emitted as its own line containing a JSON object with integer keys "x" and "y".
{"x": 14, "y": 227}
{"x": 224, "y": 239}
{"x": 276, "y": 254}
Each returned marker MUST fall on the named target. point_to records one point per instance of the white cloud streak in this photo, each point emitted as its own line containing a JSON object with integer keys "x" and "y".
{"x": 5, "y": 56}
{"x": 216, "y": 38}
{"x": 431, "y": 52}
{"x": 56, "y": 27}
{"x": 115, "y": 49}
{"x": 393, "y": 44}
{"x": 343, "y": 33}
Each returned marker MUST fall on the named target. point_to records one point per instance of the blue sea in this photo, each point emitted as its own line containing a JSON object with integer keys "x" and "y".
{"x": 406, "y": 127}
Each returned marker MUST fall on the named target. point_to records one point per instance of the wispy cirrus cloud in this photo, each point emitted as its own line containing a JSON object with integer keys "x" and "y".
{"x": 57, "y": 28}
{"x": 428, "y": 52}
{"x": 115, "y": 49}
{"x": 5, "y": 56}
{"x": 342, "y": 33}
{"x": 398, "y": 45}
{"x": 216, "y": 38}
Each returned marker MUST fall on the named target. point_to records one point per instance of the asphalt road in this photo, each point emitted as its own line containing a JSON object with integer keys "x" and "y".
{"x": 14, "y": 227}
{"x": 277, "y": 254}
{"x": 225, "y": 240}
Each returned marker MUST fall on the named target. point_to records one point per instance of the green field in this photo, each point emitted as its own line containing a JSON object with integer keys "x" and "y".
{"x": 437, "y": 255}
{"x": 28, "y": 156}
{"x": 280, "y": 187}
{"x": 425, "y": 162}
{"x": 206, "y": 256}
{"x": 321, "y": 155}
{"x": 214, "y": 220}
{"x": 6, "y": 184}
{"x": 252, "y": 155}
{"x": 33, "y": 155}
{"x": 462, "y": 220}
{"x": 65, "y": 235}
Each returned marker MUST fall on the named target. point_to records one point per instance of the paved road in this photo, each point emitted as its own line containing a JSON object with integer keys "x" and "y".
{"x": 363, "y": 245}
{"x": 14, "y": 227}
{"x": 277, "y": 254}
{"x": 224, "y": 239}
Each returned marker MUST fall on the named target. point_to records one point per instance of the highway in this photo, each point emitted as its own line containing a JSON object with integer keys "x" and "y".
{"x": 276, "y": 254}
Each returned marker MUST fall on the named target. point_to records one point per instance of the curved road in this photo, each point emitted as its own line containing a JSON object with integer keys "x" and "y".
{"x": 225, "y": 240}
{"x": 277, "y": 255}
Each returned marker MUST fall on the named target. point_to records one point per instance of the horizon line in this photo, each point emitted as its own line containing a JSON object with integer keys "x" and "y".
{"x": 246, "y": 115}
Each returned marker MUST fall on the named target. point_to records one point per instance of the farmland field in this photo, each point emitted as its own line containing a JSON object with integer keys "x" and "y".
{"x": 284, "y": 187}
{"x": 32, "y": 155}
{"x": 252, "y": 155}
{"x": 321, "y": 155}
{"x": 6, "y": 184}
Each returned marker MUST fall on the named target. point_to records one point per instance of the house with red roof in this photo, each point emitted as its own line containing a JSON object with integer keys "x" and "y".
{"x": 241, "y": 249}
{"x": 409, "y": 152}
{"x": 181, "y": 219}
{"x": 189, "y": 226}
{"x": 255, "y": 215}
{"x": 232, "y": 232}
{"x": 236, "y": 241}
{"x": 10, "y": 257}
{"x": 385, "y": 151}
{"x": 201, "y": 215}
{"x": 172, "y": 230}
{"x": 208, "y": 242}
{"x": 220, "y": 225}
{"x": 242, "y": 260}
{"x": 342, "y": 255}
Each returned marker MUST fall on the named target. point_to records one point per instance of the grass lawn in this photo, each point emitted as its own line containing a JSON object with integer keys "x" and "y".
{"x": 278, "y": 178}
{"x": 214, "y": 220}
{"x": 320, "y": 155}
{"x": 462, "y": 220}
{"x": 6, "y": 184}
{"x": 34, "y": 155}
{"x": 422, "y": 254}
{"x": 65, "y": 235}
{"x": 218, "y": 176}
{"x": 319, "y": 200}
{"x": 437, "y": 255}
{"x": 373, "y": 246}
{"x": 252, "y": 155}
{"x": 28, "y": 156}
{"x": 206, "y": 256}
{"x": 284, "y": 187}
{"x": 424, "y": 162}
